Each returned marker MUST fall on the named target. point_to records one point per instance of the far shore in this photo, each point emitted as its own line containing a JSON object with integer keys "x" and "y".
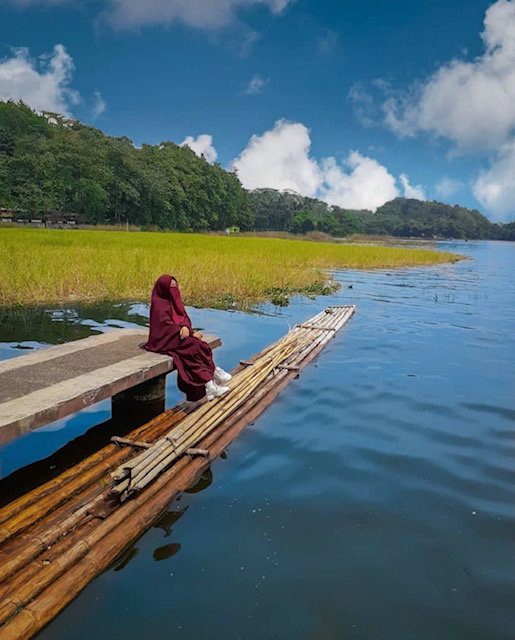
{"x": 311, "y": 236}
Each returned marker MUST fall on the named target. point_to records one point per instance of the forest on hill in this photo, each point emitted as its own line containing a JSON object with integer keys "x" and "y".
{"x": 401, "y": 217}
{"x": 52, "y": 163}
{"x": 431, "y": 219}
{"x": 289, "y": 211}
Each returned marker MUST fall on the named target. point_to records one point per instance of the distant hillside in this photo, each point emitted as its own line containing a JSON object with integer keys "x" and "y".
{"x": 288, "y": 211}
{"x": 48, "y": 162}
{"x": 424, "y": 219}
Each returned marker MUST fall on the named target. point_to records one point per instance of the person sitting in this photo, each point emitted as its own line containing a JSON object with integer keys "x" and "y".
{"x": 171, "y": 332}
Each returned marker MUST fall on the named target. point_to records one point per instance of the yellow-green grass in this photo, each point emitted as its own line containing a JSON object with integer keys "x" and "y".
{"x": 47, "y": 266}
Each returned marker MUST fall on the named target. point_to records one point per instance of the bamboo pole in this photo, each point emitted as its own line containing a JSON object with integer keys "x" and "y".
{"x": 250, "y": 379}
{"x": 78, "y": 551}
{"x": 130, "y": 443}
{"x": 23, "y": 586}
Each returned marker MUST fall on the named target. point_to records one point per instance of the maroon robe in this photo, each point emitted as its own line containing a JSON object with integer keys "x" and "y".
{"x": 192, "y": 357}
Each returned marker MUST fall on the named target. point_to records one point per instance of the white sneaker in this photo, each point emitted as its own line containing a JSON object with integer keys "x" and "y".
{"x": 221, "y": 375}
{"x": 214, "y": 390}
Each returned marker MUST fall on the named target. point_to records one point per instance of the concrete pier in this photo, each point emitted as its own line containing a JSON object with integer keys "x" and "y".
{"x": 51, "y": 383}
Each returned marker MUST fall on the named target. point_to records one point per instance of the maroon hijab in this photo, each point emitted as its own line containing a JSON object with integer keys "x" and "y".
{"x": 192, "y": 356}
{"x": 167, "y": 315}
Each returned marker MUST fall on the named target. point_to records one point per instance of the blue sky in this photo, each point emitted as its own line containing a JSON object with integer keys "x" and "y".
{"x": 354, "y": 102}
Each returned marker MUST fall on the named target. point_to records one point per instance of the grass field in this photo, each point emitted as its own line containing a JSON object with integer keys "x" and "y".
{"x": 46, "y": 266}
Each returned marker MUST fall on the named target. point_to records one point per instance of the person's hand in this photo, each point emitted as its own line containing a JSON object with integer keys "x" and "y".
{"x": 184, "y": 333}
{"x": 197, "y": 334}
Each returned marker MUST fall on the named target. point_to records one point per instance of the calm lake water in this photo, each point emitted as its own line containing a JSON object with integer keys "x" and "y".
{"x": 375, "y": 499}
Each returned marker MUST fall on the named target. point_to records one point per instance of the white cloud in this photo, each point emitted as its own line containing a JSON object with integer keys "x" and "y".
{"x": 495, "y": 188}
{"x": 250, "y": 38}
{"x": 447, "y": 187}
{"x": 367, "y": 186}
{"x": 202, "y": 14}
{"x": 202, "y": 145}
{"x": 280, "y": 159}
{"x": 99, "y": 105}
{"x": 470, "y": 103}
{"x": 412, "y": 190}
{"x": 363, "y": 104}
{"x": 256, "y": 85}
{"x": 42, "y": 83}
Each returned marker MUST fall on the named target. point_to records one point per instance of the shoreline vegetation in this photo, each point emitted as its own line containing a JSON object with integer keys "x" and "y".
{"x": 44, "y": 266}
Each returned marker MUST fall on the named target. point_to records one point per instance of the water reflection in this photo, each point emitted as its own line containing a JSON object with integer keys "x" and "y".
{"x": 168, "y": 519}
{"x": 166, "y": 552}
{"x": 202, "y": 483}
{"x": 56, "y": 324}
{"x": 125, "y": 557}
{"x": 31, "y": 475}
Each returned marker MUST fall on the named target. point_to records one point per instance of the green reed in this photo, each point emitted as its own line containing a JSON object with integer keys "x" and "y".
{"x": 47, "y": 266}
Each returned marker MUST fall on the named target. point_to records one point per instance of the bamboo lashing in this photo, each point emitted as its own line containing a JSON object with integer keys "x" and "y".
{"x": 312, "y": 326}
{"x": 81, "y": 544}
{"x": 195, "y": 451}
{"x": 131, "y": 443}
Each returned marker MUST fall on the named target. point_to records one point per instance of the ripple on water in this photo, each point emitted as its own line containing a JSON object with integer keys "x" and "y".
{"x": 503, "y": 412}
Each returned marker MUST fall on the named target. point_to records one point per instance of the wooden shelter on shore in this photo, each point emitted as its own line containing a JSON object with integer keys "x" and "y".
{"x": 57, "y": 537}
{"x": 49, "y": 219}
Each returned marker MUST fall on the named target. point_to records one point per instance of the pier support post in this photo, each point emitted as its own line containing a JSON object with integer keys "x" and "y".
{"x": 140, "y": 403}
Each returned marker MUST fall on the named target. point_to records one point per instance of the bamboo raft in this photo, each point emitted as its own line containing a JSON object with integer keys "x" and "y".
{"x": 56, "y": 538}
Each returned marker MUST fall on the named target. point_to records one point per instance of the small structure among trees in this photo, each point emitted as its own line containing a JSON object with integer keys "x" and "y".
{"x": 48, "y": 219}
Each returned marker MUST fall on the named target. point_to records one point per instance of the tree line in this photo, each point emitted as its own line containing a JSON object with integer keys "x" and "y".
{"x": 48, "y": 162}
{"x": 402, "y": 217}
{"x": 289, "y": 211}
{"x": 430, "y": 219}
{"x": 52, "y": 163}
